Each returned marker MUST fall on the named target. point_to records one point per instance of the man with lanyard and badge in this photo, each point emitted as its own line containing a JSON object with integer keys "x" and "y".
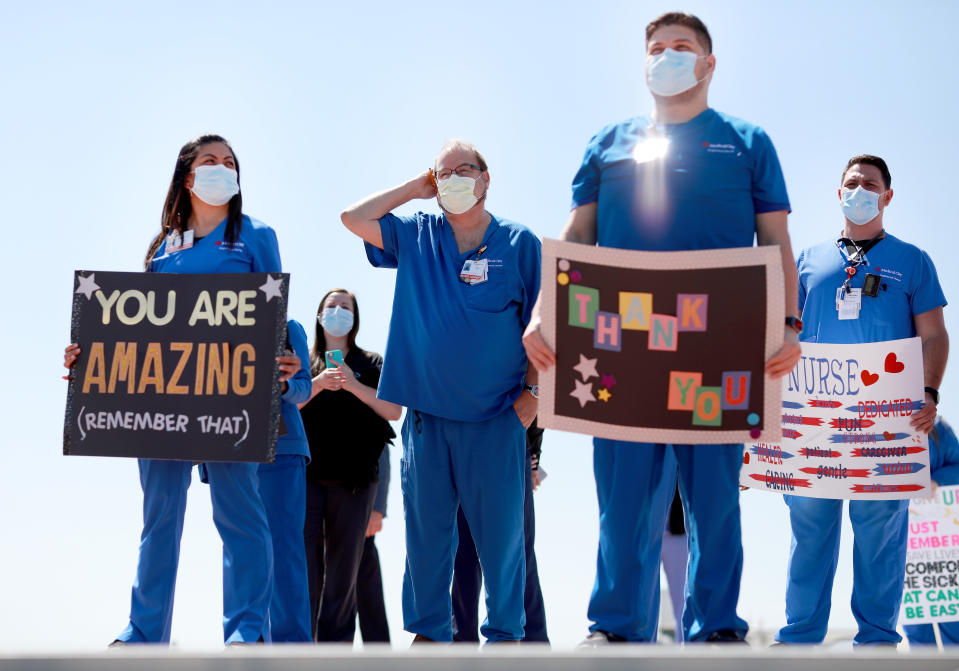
{"x": 687, "y": 178}
{"x": 868, "y": 286}
{"x": 465, "y": 286}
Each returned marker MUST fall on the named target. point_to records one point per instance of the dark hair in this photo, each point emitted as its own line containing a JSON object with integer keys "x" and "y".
{"x": 177, "y": 207}
{"x": 317, "y": 358}
{"x": 682, "y": 19}
{"x": 869, "y": 159}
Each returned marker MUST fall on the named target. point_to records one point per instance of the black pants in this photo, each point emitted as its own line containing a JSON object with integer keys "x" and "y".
{"x": 369, "y": 596}
{"x": 336, "y": 521}
{"x": 467, "y": 577}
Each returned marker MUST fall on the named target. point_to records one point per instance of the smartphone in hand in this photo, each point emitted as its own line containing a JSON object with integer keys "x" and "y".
{"x": 333, "y": 355}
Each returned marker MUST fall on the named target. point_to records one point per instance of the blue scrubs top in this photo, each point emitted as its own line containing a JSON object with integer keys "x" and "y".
{"x": 298, "y": 391}
{"x": 717, "y": 173}
{"x": 454, "y": 349}
{"x": 254, "y": 251}
{"x": 943, "y": 454}
{"x": 910, "y": 286}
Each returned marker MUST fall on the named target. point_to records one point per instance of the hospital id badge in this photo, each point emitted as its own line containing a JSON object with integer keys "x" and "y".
{"x": 175, "y": 242}
{"x": 848, "y": 303}
{"x": 466, "y": 273}
{"x": 480, "y": 271}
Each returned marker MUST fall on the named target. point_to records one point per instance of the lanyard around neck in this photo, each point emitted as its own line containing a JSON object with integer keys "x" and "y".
{"x": 853, "y": 252}
{"x": 855, "y": 255}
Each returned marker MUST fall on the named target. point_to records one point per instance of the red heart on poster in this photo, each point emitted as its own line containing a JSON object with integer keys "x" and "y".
{"x": 869, "y": 378}
{"x": 892, "y": 365}
{"x": 888, "y": 436}
{"x": 746, "y": 457}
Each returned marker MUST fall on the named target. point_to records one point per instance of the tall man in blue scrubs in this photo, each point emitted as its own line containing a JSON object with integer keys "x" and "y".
{"x": 687, "y": 177}
{"x": 892, "y": 291}
{"x": 466, "y": 282}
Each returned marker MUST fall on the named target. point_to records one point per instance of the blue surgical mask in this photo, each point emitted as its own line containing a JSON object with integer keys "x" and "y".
{"x": 215, "y": 184}
{"x": 859, "y": 205}
{"x": 671, "y": 72}
{"x": 336, "y": 321}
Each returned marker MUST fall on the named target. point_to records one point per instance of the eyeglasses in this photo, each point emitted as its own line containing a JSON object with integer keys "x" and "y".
{"x": 462, "y": 170}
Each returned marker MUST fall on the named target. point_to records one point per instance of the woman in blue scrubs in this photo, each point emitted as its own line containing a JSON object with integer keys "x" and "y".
{"x": 206, "y": 232}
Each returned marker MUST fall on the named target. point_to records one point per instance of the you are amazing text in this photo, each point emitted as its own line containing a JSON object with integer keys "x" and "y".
{"x": 183, "y": 367}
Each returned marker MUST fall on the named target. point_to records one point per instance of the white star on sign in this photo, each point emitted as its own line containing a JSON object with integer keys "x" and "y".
{"x": 586, "y": 367}
{"x": 583, "y": 393}
{"x": 87, "y": 285}
{"x": 272, "y": 288}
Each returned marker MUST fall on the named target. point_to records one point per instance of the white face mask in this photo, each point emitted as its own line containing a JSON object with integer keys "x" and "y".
{"x": 859, "y": 205}
{"x": 337, "y": 321}
{"x": 215, "y": 184}
{"x": 671, "y": 72}
{"x": 455, "y": 193}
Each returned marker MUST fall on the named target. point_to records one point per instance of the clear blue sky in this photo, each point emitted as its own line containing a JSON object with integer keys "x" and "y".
{"x": 326, "y": 102}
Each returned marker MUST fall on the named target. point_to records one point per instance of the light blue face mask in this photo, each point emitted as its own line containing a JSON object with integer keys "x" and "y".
{"x": 336, "y": 321}
{"x": 859, "y": 205}
{"x": 215, "y": 184}
{"x": 671, "y": 72}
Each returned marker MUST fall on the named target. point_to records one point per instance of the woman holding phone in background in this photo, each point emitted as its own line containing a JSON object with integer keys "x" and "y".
{"x": 347, "y": 428}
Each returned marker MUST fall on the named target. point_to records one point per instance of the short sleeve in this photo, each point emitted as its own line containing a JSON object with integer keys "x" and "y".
{"x": 372, "y": 374}
{"x": 391, "y": 229}
{"x": 802, "y": 286}
{"x": 300, "y": 385}
{"x": 383, "y": 487}
{"x": 530, "y": 260}
{"x": 769, "y": 185}
{"x": 948, "y": 473}
{"x": 927, "y": 292}
{"x": 266, "y": 252}
{"x": 586, "y": 181}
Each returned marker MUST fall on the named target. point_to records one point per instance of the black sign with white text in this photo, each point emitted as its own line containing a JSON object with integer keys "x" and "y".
{"x": 176, "y": 366}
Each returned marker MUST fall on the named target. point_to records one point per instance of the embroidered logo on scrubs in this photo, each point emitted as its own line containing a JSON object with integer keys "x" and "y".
{"x": 720, "y": 148}
{"x": 889, "y": 273}
{"x": 224, "y": 246}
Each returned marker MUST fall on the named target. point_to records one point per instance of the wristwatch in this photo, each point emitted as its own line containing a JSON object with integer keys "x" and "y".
{"x": 533, "y": 389}
{"x": 795, "y": 323}
{"x": 934, "y": 393}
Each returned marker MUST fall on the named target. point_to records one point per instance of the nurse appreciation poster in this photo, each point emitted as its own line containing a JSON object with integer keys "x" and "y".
{"x": 845, "y": 426}
{"x": 664, "y": 347}
{"x": 176, "y": 366}
{"x": 932, "y": 559}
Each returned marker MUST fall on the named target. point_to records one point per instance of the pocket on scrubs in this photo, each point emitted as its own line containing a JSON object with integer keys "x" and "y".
{"x": 491, "y": 295}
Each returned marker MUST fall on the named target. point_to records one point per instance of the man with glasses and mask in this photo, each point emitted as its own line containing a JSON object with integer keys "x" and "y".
{"x": 867, "y": 286}
{"x": 687, "y": 177}
{"x": 465, "y": 286}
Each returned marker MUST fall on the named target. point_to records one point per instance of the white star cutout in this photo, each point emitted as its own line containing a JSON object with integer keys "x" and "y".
{"x": 583, "y": 393}
{"x": 586, "y": 367}
{"x": 87, "y": 285}
{"x": 271, "y": 288}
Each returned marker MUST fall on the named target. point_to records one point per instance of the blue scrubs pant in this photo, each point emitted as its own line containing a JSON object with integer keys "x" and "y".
{"x": 283, "y": 490}
{"x": 479, "y": 466}
{"x": 878, "y": 561}
{"x": 635, "y": 484}
{"x": 247, "y": 551}
{"x": 467, "y": 578}
{"x": 922, "y": 634}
